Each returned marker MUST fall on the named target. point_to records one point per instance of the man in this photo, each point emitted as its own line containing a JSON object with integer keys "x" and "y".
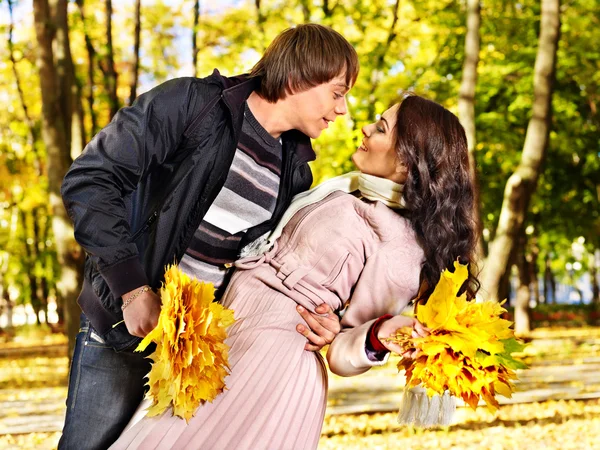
{"x": 192, "y": 172}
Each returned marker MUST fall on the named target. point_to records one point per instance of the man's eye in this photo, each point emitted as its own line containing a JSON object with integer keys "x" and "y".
{"x": 338, "y": 96}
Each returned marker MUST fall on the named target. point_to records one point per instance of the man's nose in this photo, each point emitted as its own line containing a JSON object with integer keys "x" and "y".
{"x": 341, "y": 108}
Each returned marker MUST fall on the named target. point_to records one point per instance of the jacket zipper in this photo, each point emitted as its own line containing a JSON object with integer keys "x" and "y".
{"x": 191, "y": 129}
{"x": 209, "y": 191}
{"x": 149, "y": 222}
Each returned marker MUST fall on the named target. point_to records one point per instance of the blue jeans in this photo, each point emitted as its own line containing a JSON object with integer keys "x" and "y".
{"x": 105, "y": 389}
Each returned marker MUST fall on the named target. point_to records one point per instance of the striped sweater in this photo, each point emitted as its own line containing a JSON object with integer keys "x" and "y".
{"x": 247, "y": 199}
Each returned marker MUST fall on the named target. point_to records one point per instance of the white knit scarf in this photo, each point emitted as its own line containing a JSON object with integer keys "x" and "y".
{"x": 372, "y": 188}
{"x": 383, "y": 190}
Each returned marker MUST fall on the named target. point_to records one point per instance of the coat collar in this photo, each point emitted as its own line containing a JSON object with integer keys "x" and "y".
{"x": 236, "y": 91}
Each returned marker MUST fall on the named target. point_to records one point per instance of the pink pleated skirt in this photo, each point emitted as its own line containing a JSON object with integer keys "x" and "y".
{"x": 276, "y": 391}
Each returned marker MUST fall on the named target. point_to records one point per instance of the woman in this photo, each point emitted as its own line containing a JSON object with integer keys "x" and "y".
{"x": 410, "y": 218}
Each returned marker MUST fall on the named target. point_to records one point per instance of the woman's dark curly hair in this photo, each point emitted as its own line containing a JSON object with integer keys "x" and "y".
{"x": 438, "y": 192}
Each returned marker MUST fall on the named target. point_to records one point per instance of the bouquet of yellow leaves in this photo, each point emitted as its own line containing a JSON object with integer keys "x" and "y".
{"x": 469, "y": 351}
{"x": 190, "y": 360}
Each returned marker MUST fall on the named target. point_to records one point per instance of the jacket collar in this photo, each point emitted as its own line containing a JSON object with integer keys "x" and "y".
{"x": 236, "y": 91}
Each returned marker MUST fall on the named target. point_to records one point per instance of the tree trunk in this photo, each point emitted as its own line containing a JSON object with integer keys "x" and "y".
{"x": 109, "y": 71}
{"x": 4, "y": 299}
{"x": 522, "y": 310}
{"x": 547, "y": 275}
{"x": 380, "y": 53}
{"x": 594, "y": 276}
{"x": 305, "y": 10}
{"x": 78, "y": 134}
{"x": 195, "y": 36}
{"x": 136, "y": 52}
{"x": 260, "y": 20}
{"x": 30, "y": 245}
{"x": 522, "y": 183}
{"x": 33, "y": 135}
{"x": 327, "y": 9}
{"x": 466, "y": 107}
{"x": 64, "y": 72}
{"x": 91, "y": 52}
{"x": 549, "y": 280}
{"x": 39, "y": 245}
{"x": 533, "y": 269}
{"x": 9, "y": 310}
{"x": 54, "y": 134}
{"x": 44, "y": 296}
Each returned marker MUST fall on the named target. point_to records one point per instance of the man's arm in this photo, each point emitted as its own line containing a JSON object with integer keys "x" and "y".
{"x": 94, "y": 190}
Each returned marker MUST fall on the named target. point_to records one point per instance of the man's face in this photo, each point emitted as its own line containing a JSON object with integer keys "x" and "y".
{"x": 314, "y": 108}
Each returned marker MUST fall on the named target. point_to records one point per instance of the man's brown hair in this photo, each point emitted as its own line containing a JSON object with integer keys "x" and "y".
{"x": 303, "y": 57}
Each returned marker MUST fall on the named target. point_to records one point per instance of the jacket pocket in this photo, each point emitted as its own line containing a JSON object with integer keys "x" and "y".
{"x": 338, "y": 267}
{"x": 146, "y": 226}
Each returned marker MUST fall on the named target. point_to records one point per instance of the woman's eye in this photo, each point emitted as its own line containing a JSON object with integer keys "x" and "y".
{"x": 379, "y": 129}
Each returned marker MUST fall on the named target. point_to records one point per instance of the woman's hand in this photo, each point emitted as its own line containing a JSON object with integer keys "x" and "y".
{"x": 389, "y": 328}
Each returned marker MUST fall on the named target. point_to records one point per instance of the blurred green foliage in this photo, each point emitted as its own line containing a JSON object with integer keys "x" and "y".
{"x": 422, "y": 53}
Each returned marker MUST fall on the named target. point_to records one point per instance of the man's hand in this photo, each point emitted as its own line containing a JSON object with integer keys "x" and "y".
{"x": 141, "y": 315}
{"x": 389, "y": 328}
{"x": 324, "y": 326}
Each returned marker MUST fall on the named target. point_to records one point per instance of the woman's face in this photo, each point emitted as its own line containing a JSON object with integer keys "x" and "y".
{"x": 377, "y": 155}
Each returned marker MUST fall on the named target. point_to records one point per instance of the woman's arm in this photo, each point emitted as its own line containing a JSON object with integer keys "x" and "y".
{"x": 387, "y": 283}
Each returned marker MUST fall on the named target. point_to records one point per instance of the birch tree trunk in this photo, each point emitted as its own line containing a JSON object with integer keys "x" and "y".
{"x": 466, "y": 106}
{"x": 522, "y": 183}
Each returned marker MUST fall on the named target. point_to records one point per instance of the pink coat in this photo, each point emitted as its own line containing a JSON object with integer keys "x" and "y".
{"x": 345, "y": 251}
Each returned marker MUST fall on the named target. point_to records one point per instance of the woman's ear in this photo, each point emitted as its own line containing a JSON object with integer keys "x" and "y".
{"x": 401, "y": 171}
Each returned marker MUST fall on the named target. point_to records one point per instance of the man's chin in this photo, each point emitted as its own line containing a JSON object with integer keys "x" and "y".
{"x": 313, "y": 134}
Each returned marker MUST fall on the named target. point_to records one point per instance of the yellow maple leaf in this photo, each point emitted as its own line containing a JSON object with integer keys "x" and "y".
{"x": 464, "y": 354}
{"x": 191, "y": 357}
{"x": 441, "y": 305}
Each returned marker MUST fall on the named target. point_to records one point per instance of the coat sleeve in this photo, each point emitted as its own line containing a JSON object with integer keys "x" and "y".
{"x": 95, "y": 188}
{"x": 386, "y": 285}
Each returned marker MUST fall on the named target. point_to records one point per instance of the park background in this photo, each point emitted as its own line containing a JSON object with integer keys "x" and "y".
{"x": 524, "y": 79}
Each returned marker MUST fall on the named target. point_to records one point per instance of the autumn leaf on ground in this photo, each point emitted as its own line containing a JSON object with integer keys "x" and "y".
{"x": 190, "y": 360}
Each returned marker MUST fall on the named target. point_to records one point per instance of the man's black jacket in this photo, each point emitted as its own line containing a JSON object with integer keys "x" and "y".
{"x": 142, "y": 186}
